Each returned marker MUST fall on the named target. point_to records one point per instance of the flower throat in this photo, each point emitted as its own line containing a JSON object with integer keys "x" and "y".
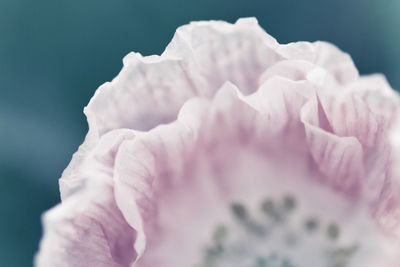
{"x": 277, "y": 237}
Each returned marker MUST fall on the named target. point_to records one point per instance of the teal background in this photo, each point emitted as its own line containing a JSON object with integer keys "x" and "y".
{"x": 54, "y": 54}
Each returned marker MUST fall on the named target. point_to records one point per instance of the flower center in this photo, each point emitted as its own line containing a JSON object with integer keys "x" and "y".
{"x": 277, "y": 234}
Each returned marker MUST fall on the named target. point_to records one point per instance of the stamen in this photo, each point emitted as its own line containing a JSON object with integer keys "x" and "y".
{"x": 333, "y": 231}
{"x": 220, "y": 234}
{"x": 289, "y": 203}
{"x": 240, "y": 211}
{"x": 311, "y": 224}
{"x": 269, "y": 208}
{"x": 340, "y": 257}
{"x": 251, "y": 245}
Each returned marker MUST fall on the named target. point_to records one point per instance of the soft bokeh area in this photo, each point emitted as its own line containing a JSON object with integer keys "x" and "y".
{"x": 54, "y": 54}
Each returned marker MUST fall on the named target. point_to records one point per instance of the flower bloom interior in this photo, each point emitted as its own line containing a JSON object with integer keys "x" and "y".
{"x": 231, "y": 149}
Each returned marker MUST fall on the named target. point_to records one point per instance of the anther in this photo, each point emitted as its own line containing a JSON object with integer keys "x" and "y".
{"x": 289, "y": 203}
{"x": 311, "y": 224}
{"x": 240, "y": 211}
{"x": 333, "y": 231}
{"x": 268, "y": 207}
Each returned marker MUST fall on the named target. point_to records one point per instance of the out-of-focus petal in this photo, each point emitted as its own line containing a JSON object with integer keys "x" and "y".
{"x": 88, "y": 229}
{"x": 381, "y": 99}
{"x": 325, "y": 55}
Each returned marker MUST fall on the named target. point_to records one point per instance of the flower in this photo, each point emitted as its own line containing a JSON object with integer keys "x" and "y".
{"x": 231, "y": 149}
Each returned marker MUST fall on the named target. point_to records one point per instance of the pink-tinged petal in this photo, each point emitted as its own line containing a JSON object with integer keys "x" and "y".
{"x": 71, "y": 180}
{"x": 256, "y": 122}
{"x": 336, "y": 62}
{"x": 175, "y": 183}
{"x": 86, "y": 230}
{"x": 295, "y": 70}
{"x": 220, "y": 52}
{"x": 386, "y": 206}
{"x": 161, "y": 82}
{"x": 350, "y": 116}
{"x": 324, "y": 55}
{"x": 200, "y": 58}
{"x": 239, "y": 53}
{"x": 381, "y": 99}
{"x": 94, "y": 149}
{"x": 355, "y": 155}
{"x": 136, "y": 184}
{"x": 279, "y": 100}
{"x": 339, "y": 158}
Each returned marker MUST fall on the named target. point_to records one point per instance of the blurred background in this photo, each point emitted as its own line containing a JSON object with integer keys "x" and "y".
{"x": 54, "y": 54}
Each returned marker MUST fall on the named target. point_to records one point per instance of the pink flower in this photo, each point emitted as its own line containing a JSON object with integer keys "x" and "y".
{"x": 231, "y": 149}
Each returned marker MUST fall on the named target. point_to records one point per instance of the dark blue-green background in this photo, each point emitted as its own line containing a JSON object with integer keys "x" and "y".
{"x": 55, "y": 53}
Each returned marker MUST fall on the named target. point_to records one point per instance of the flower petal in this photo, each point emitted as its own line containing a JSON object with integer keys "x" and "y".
{"x": 76, "y": 174}
{"x": 380, "y": 98}
{"x": 200, "y": 58}
{"x": 324, "y": 55}
{"x": 172, "y": 175}
{"x": 220, "y": 52}
{"x": 88, "y": 229}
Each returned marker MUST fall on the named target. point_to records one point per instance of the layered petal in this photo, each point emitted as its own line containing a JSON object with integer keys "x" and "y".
{"x": 200, "y": 58}
{"x": 176, "y": 174}
{"x": 88, "y": 229}
{"x": 231, "y": 149}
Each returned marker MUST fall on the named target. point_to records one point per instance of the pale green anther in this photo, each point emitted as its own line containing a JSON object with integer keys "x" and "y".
{"x": 286, "y": 263}
{"x": 220, "y": 234}
{"x": 311, "y": 224}
{"x": 289, "y": 203}
{"x": 333, "y": 231}
{"x": 341, "y": 256}
{"x": 240, "y": 211}
{"x": 261, "y": 262}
